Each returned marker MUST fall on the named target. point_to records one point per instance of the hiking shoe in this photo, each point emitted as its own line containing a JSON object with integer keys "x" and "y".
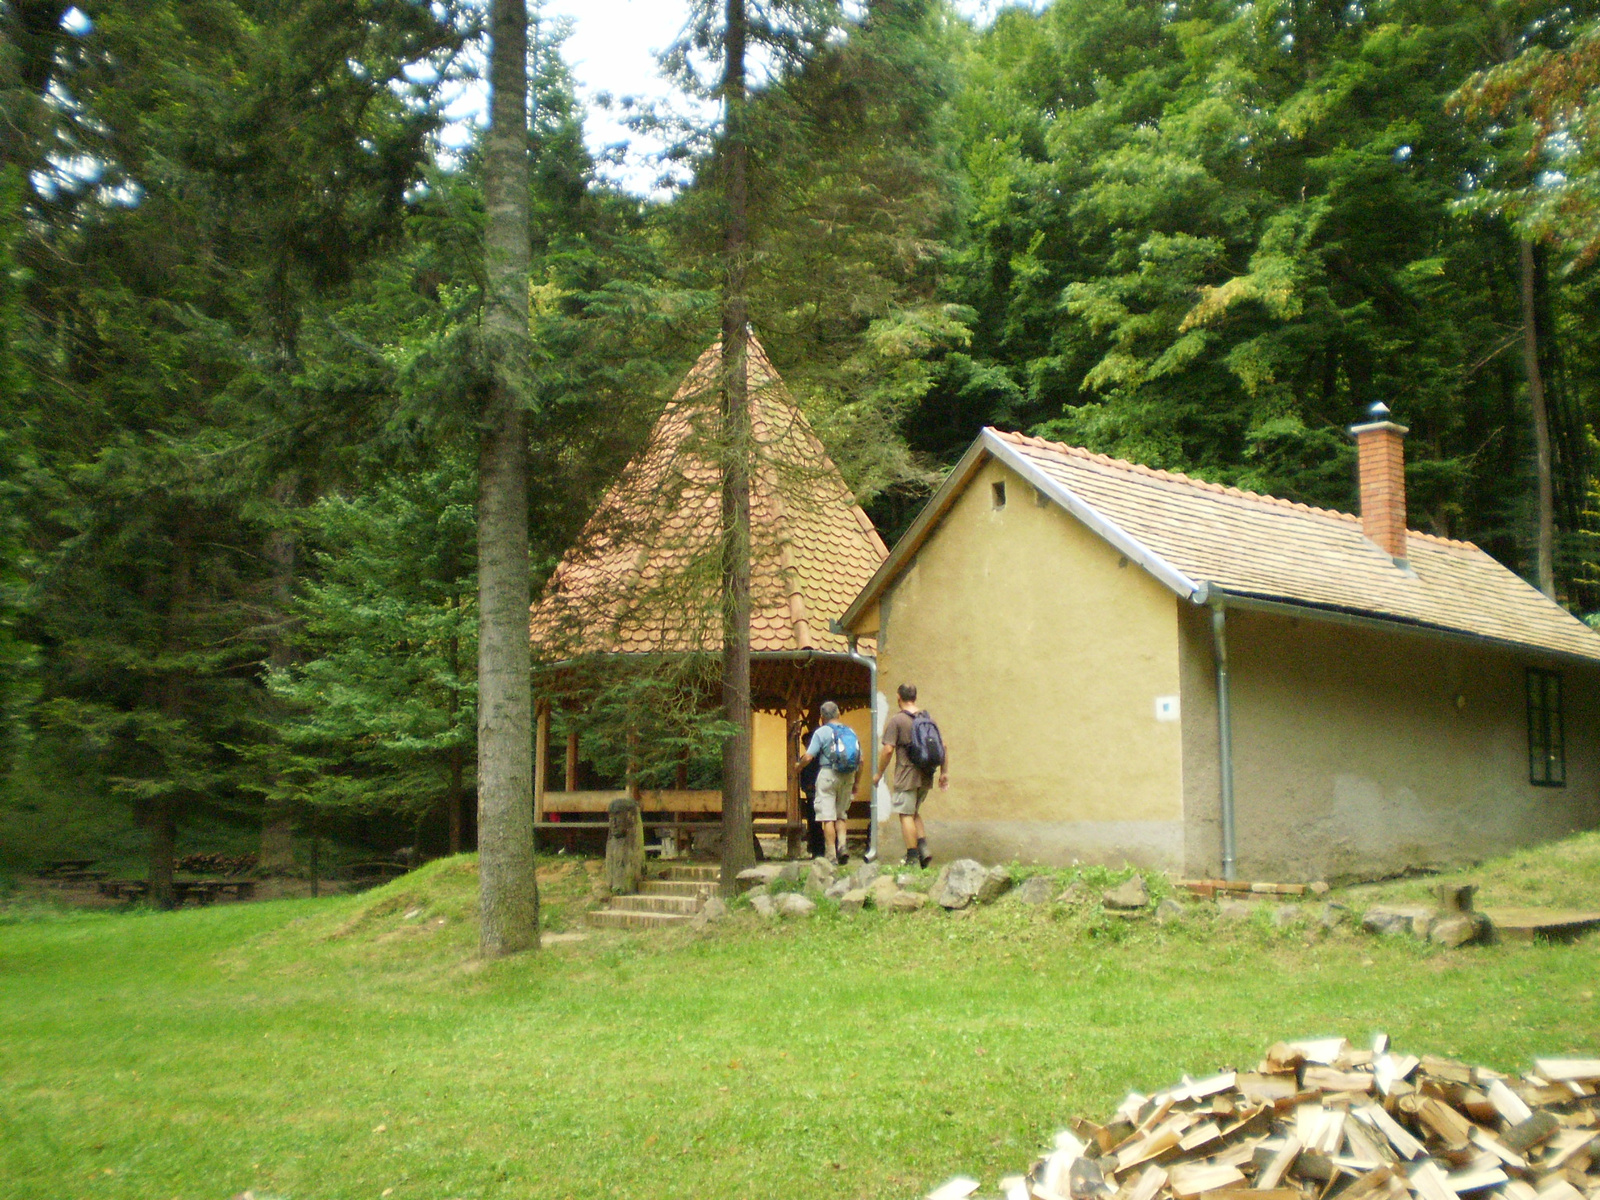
{"x": 925, "y": 860}
{"x": 913, "y": 859}
{"x": 844, "y": 857}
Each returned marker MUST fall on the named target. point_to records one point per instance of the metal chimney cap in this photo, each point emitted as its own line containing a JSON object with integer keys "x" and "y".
{"x": 1378, "y": 411}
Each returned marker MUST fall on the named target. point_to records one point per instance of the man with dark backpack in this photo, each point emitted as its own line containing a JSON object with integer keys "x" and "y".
{"x": 837, "y": 748}
{"x": 913, "y": 741}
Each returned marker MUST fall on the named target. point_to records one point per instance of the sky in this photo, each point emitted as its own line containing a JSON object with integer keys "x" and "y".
{"x": 612, "y": 50}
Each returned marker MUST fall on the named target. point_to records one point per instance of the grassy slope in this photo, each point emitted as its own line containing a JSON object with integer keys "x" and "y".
{"x": 336, "y": 1048}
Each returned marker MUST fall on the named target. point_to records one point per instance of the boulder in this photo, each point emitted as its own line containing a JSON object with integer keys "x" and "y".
{"x": 793, "y": 904}
{"x": 791, "y": 872}
{"x": 1073, "y": 893}
{"x": 907, "y": 901}
{"x": 905, "y": 880}
{"x": 882, "y": 891}
{"x": 1237, "y": 910}
{"x": 1459, "y": 929}
{"x": 854, "y": 900}
{"x": 1333, "y": 914}
{"x": 1397, "y": 918}
{"x": 821, "y": 872}
{"x": 996, "y": 883}
{"x": 837, "y": 889}
{"x": 759, "y": 890}
{"x": 757, "y": 876}
{"x": 863, "y": 875}
{"x": 710, "y": 913}
{"x": 1169, "y": 910}
{"x": 1036, "y": 889}
{"x": 763, "y": 904}
{"x": 1129, "y": 895}
{"x": 1286, "y": 914}
{"x": 1318, "y": 888}
{"x": 958, "y": 883}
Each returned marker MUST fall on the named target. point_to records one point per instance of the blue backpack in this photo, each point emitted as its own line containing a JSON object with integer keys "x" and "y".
{"x": 843, "y": 753}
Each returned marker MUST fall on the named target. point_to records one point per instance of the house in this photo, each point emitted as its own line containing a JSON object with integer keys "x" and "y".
{"x": 1134, "y": 665}
{"x": 642, "y": 580}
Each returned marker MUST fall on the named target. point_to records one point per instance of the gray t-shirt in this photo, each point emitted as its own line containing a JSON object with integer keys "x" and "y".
{"x": 897, "y": 733}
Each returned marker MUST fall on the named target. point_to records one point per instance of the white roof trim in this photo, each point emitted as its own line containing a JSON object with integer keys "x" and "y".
{"x": 1130, "y": 546}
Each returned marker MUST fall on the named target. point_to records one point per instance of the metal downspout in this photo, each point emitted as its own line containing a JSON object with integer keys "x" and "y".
{"x": 1219, "y": 641}
{"x": 870, "y": 756}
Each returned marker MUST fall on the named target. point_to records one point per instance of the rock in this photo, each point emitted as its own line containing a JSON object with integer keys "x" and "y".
{"x": 1237, "y": 910}
{"x": 1333, "y": 914}
{"x": 958, "y": 883}
{"x": 1285, "y": 914}
{"x": 854, "y": 900}
{"x": 1129, "y": 895}
{"x": 996, "y": 883}
{"x": 1169, "y": 910}
{"x": 792, "y": 872}
{"x": 759, "y": 890}
{"x": 882, "y": 891}
{"x": 763, "y": 904}
{"x": 712, "y": 911}
{"x": 757, "y": 876}
{"x": 907, "y": 901}
{"x": 1036, "y": 889}
{"x": 905, "y": 880}
{"x": 862, "y": 876}
{"x": 837, "y": 889}
{"x": 1396, "y": 918}
{"x": 1458, "y": 929}
{"x": 1318, "y": 888}
{"x": 1073, "y": 893}
{"x": 793, "y": 904}
{"x": 822, "y": 872}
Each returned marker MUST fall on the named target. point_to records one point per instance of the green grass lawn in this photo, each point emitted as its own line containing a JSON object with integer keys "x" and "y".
{"x": 340, "y": 1048}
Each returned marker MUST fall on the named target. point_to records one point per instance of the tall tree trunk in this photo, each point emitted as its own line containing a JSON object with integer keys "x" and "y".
{"x": 738, "y": 844}
{"x": 452, "y": 795}
{"x": 1546, "y": 539}
{"x": 163, "y": 823}
{"x": 277, "y": 818}
{"x": 508, "y": 890}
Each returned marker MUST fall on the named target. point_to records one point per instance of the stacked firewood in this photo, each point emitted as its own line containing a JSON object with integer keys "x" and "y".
{"x": 1319, "y": 1120}
{"x": 217, "y": 864}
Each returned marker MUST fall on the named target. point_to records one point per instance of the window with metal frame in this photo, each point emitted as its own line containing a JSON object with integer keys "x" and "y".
{"x": 1547, "y": 744}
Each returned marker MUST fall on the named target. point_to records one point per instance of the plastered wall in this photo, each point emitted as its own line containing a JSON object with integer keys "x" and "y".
{"x": 1042, "y": 656}
{"x": 1360, "y": 753}
{"x": 769, "y": 755}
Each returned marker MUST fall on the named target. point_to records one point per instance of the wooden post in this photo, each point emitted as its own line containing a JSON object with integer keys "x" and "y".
{"x": 572, "y": 760}
{"x": 541, "y": 757}
{"x": 633, "y": 765}
{"x": 791, "y": 752}
{"x": 624, "y": 848}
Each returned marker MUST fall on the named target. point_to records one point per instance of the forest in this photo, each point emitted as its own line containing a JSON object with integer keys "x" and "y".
{"x": 245, "y": 343}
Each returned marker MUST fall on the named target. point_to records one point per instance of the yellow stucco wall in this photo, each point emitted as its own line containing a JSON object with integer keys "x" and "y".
{"x": 1361, "y": 753}
{"x": 1041, "y": 655}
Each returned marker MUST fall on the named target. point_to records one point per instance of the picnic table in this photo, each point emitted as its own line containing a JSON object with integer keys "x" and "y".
{"x": 71, "y": 870}
{"x": 201, "y": 891}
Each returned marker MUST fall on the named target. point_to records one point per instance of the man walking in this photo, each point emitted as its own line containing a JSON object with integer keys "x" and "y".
{"x": 835, "y": 746}
{"x": 913, "y": 741}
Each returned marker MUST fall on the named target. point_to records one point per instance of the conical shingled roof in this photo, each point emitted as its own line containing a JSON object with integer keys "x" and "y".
{"x": 643, "y": 576}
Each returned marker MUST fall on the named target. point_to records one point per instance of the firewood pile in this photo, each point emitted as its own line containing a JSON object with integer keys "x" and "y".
{"x": 1320, "y": 1120}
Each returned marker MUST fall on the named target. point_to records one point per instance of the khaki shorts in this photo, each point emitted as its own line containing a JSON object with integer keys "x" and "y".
{"x": 833, "y": 793}
{"x": 907, "y": 804}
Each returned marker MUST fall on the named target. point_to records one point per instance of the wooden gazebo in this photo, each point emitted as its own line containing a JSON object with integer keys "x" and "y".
{"x": 642, "y": 581}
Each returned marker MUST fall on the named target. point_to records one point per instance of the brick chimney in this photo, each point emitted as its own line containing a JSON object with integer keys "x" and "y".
{"x": 1382, "y": 471}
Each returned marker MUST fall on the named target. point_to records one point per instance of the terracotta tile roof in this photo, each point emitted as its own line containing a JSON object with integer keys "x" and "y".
{"x": 1261, "y": 546}
{"x": 643, "y": 575}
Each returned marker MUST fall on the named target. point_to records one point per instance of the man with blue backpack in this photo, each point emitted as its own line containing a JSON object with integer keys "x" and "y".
{"x": 837, "y": 748}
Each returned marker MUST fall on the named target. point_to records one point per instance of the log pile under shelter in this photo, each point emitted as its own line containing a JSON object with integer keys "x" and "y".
{"x": 1321, "y": 1120}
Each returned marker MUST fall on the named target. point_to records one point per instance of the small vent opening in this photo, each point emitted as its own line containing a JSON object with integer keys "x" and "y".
{"x": 999, "y": 490}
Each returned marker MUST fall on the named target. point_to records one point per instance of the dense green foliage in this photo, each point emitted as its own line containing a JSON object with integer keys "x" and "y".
{"x": 241, "y": 286}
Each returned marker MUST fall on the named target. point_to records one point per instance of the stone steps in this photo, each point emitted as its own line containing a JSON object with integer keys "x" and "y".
{"x": 670, "y": 899}
{"x": 615, "y": 918}
{"x": 677, "y": 887}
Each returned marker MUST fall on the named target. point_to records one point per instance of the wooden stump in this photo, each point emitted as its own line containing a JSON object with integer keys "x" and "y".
{"x": 1455, "y": 897}
{"x": 624, "y": 848}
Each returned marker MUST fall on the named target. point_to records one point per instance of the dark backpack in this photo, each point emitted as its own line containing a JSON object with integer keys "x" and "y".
{"x": 843, "y": 753}
{"x": 925, "y": 750}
